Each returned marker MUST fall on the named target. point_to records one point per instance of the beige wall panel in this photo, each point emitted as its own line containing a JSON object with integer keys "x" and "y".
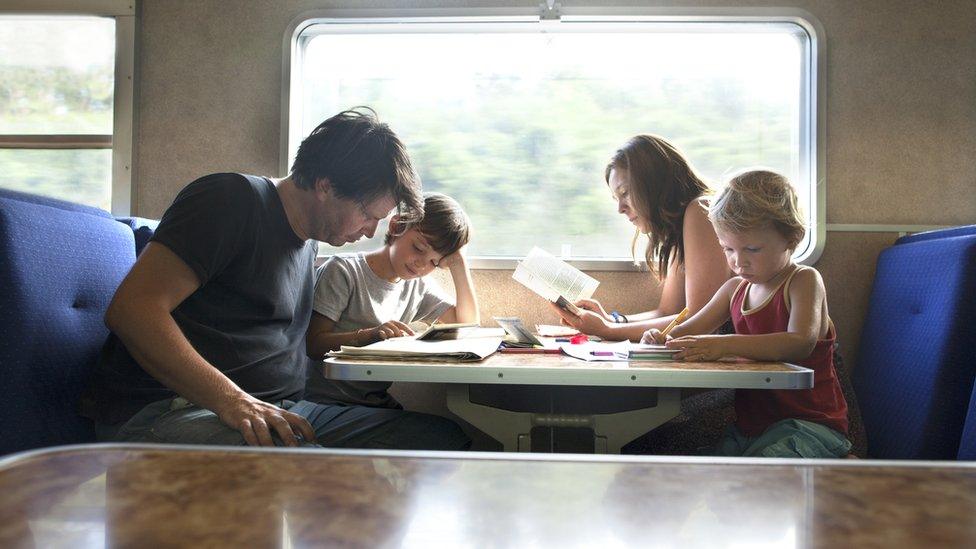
{"x": 901, "y": 112}
{"x": 847, "y": 266}
{"x": 499, "y": 295}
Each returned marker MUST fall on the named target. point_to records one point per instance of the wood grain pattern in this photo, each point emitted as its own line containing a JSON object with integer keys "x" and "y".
{"x": 159, "y": 496}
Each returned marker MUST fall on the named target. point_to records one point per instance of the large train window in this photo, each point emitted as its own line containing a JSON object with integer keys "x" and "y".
{"x": 517, "y": 117}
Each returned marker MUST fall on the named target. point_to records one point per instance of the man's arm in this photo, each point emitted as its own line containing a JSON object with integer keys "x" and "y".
{"x": 141, "y": 316}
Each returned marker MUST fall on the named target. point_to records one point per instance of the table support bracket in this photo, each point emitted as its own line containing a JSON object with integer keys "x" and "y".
{"x": 610, "y": 431}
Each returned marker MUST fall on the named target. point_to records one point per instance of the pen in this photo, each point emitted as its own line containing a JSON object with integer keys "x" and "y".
{"x": 602, "y": 353}
{"x": 677, "y": 320}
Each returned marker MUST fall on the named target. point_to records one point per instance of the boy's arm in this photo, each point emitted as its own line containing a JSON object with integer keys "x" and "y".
{"x": 706, "y": 320}
{"x": 807, "y": 310}
{"x": 712, "y": 315}
{"x": 466, "y": 308}
{"x": 321, "y": 337}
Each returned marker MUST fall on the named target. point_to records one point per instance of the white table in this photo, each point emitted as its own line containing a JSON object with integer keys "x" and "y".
{"x": 612, "y": 429}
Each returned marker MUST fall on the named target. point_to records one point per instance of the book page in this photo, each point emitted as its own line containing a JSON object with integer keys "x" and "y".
{"x": 550, "y": 277}
{"x": 468, "y": 348}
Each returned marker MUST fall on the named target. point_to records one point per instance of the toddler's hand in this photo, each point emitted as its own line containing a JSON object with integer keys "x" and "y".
{"x": 654, "y": 336}
{"x": 700, "y": 348}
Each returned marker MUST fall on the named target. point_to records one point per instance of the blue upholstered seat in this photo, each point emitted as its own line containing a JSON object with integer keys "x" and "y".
{"x": 967, "y": 445}
{"x": 142, "y": 228}
{"x": 60, "y": 264}
{"x": 914, "y": 377}
{"x": 943, "y": 233}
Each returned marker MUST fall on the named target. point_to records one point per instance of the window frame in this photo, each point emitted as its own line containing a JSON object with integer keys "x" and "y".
{"x": 812, "y": 138}
{"x": 120, "y": 141}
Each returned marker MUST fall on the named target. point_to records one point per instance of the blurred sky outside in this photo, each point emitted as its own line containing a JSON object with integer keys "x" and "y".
{"x": 518, "y": 126}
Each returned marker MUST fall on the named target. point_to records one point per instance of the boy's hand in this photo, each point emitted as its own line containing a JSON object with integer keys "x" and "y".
{"x": 595, "y": 306}
{"x": 452, "y": 260}
{"x": 390, "y": 328}
{"x": 700, "y": 348}
{"x": 655, "y": 336}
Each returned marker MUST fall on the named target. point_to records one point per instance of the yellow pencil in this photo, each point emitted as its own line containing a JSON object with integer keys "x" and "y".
{"x": 677, "y": 320}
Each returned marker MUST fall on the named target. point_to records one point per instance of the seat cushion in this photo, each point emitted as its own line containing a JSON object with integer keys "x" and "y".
{"x": 59, "y": 268}
{"x": 915, "y": 370}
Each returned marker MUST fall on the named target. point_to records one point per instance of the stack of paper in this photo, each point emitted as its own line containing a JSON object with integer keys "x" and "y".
{"x": 650, "y": 352}
{"x": 408, "y": 348}
{"x": 623, "y": 351}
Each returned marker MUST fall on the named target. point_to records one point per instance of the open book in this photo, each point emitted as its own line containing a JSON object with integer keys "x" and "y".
{"x": 408, "y": 348}
{"x": 445, "y": 331}
{"x": 554, "y": 279}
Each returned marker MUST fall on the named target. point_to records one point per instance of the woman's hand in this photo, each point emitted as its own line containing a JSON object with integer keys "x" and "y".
{"x": 586, "y": 322}
{"x": 595, "y": 306}
{"x": 699, "y": 348}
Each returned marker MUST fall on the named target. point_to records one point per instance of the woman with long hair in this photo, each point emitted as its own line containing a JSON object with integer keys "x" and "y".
{"x": 657, "y": 190}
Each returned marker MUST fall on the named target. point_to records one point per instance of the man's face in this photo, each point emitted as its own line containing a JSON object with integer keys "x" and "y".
{"x": 342, "y": 221}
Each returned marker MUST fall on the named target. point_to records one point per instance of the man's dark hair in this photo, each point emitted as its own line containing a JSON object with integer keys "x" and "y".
{"x": 445, "y": 225}
{"x": 363, "y": 159}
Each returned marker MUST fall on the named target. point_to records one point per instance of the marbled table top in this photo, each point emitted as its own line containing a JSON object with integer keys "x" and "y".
{"x": 154, "y": 496}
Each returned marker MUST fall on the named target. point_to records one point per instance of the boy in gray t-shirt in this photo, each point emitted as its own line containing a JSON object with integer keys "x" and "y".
{"x": 366, "y": 297}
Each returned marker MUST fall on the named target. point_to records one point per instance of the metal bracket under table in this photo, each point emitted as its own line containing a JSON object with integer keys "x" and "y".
{"x": 611, "y": 431}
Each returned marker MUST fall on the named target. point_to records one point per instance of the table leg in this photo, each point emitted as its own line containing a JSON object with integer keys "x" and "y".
{"x": 612, "y": 431}
{"x": 512, "y": 429}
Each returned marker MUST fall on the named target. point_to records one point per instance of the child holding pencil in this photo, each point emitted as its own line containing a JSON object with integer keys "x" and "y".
{"x": 779, "y": 310}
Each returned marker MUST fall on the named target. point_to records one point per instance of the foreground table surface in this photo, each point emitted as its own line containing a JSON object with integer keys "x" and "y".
{"x": 141, "y": 496}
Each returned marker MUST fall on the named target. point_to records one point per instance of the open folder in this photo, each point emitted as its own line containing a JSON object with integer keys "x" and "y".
{"x": 409, "y": 348}
{"x": 554, "y": 279}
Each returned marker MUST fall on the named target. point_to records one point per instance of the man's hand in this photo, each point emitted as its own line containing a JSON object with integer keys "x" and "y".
{"x": 699, "y": 348}
{"x": 255, "y": 419}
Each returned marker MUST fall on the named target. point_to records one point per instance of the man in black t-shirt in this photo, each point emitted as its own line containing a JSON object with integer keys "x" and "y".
{"x": 207, "y": 343}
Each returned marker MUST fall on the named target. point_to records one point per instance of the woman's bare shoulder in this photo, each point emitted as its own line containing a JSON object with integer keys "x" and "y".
{"x": 696, "y": 222}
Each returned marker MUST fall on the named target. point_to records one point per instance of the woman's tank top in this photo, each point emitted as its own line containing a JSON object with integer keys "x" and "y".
{"x": 757, "y": 409}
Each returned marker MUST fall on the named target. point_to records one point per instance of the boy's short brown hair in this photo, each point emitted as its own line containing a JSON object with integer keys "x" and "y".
{"x": 759, "y": 198}
{"x": 444, "y": 224}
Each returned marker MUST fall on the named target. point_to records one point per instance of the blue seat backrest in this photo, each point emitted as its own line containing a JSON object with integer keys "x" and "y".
{"x": 941, "y": 233}
{"x": 967, "y": 446}
{"x": 60, "y": 264}
{"x": 142, "y": 228}
{"x": 52, "y": 202}
{"x": 916, "y": 364}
